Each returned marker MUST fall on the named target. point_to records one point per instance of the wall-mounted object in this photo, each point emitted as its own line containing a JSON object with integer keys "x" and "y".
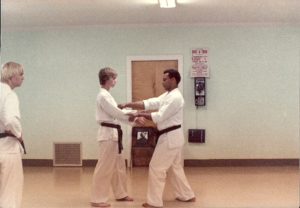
{"x": 196, "y": 135}
{"x": 200, "y": 91}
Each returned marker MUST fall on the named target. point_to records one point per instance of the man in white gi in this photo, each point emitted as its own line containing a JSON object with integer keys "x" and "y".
{"x": 11, "y": 169}
{"x": 110, "y": 169}
{"x": 167, "y": 156}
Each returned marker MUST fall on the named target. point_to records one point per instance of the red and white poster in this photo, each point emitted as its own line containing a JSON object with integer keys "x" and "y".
{"x": 200, "y": 62}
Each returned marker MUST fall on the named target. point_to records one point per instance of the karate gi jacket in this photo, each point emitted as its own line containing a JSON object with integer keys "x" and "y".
{"x": 170, "y": 113}
{"x": 107, "y": 111}
{"x": 9, "y": 119}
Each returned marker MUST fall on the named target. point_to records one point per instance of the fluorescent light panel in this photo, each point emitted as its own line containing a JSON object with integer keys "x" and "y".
{"x": 167, "y": 3}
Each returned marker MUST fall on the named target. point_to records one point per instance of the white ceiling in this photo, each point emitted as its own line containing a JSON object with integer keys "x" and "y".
{"x": 57, "y": 13}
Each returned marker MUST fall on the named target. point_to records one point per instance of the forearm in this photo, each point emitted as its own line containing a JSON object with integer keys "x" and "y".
{"x": 134, "y": 105}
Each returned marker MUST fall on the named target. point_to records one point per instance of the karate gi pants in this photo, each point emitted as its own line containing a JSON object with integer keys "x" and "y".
{"x": 165, "y": 160}
{"x": 110, "y": 171}
{"x": 11, "y": 180}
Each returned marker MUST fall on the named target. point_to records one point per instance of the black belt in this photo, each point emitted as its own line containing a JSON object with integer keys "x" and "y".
{"x": 120, "y": 133}
{"x": 171, "y": 128}
{"x": 5, "y": 134}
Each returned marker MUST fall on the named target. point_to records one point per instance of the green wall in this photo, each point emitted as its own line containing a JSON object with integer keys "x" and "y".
{"x": 252, "y": 94}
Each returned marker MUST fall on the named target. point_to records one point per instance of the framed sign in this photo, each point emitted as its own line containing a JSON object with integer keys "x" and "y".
{"x": 144, "y": 136}
{"x": 200, "y": 62}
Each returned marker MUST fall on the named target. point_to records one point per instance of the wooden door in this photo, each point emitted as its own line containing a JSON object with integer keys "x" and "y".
{"x": 147, "y": 78}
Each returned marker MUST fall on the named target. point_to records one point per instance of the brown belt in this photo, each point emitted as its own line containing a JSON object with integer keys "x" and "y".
{"x": 5, "y": 134}
{"x": 120, "y": 133}
{"x": 166, "y": 130}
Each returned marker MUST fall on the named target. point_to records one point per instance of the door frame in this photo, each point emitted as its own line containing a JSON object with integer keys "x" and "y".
{"x": 130, "y": 59}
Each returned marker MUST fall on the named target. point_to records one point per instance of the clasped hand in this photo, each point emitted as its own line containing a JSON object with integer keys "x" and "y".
{"x": 138, "y": 120}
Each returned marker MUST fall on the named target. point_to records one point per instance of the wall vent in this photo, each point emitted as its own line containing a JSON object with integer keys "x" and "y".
{"x": 67, "y": 154}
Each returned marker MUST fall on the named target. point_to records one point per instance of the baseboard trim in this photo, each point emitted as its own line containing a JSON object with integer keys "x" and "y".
{"x": 188, "y": 162}
{"x": 37, "y": 162}
{"x": 241, "y": 162}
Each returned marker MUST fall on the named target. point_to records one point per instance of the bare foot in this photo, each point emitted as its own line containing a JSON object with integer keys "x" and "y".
{"x": 188, "y": 200}
{"x": 127, "y": 198}
{"x": 150, "y": 206}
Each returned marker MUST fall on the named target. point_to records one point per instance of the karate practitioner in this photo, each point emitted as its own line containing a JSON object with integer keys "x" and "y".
{"x": 167, "y": 156}
{"x": 110, "y": 170}
{"x": 11, "y": 169}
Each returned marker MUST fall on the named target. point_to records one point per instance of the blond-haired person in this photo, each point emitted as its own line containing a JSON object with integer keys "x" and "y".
{"x": 11, "y": 169}
{"x": 110, "y": 170}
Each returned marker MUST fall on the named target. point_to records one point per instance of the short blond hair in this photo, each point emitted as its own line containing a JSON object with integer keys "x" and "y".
{"x": 9, "y": 70}
{"x": 105, "y": 74}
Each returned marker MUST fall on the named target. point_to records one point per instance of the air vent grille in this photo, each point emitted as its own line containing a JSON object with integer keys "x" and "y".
{"x": 67, "y": 154}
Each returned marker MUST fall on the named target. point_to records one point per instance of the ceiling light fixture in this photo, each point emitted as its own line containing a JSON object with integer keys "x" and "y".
{"x": 167, "y": 3}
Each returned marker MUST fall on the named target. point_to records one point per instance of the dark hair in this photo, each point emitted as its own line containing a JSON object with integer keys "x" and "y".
{"x": 105, "y": 74}
{"x": 173, "y": 73}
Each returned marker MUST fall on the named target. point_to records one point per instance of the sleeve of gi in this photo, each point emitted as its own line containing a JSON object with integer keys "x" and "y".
{"x": 153, "y": 103}
{"x": 168, "y": 108}
{"x": 112, "y": 109}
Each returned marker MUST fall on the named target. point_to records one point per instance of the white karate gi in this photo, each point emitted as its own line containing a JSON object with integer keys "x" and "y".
{"x": 11, "y": 169}
{"x": 110, "y": 169}
{"x": 167, "y": 156}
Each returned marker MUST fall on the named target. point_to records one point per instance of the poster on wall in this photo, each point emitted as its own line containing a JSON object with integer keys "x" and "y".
{"x": 200, "y": 62}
